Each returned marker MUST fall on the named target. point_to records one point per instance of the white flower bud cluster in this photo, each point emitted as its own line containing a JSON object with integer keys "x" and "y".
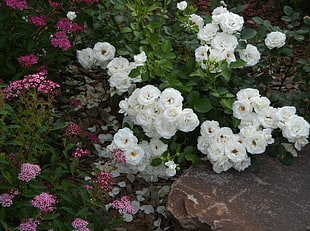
{"x": 219, "y": 41}
{"x": 119, "y": 68}
{"x": 258, "y": 119}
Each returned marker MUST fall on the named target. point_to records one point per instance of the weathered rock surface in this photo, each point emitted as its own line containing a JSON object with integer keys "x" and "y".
{"x": 277, "y": 198}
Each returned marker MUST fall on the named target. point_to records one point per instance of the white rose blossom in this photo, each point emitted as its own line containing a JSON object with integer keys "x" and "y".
{"x": 86, "y": 58}
{"x": 170, "y": 97}
{"x": 140, "y": 59}
{"x": 103, "y": 52}
{"x": 148, "y": 94}
{"x": 171, "y": 168}
{"x": 235, "y": 151}
{"x": 209, "y": 128}
{"x": 217, "y": 14}
{"x": 182, "y": 5}
{"x": 255, "y": 143}
{"x": 247, "y": 94}
{"x": 295, "y": 127}
{"x": 196, "y": 20}
{"x": 118, "y": 64}
{"x": 172, "y": 114}
{"x": 275, "y": 39}
{"x": 231, "y": 22}
{"x": 134, "y": 155}
{"x": 71, "y": 15}
{"x": 241, "y": 109}
{"x": 207, "y": 33}
{"x": 241, "y": 165}
{"x": 250, "y": 55}
{"x": 260, "y": 104}
{"x": 157, "y": 147}
{"x": 124, "y": 139}
{"x": 187, "y": 121}
{"x": 201, "y": 54}
{"x": 120, "y": 81}
{"x": 224, "y": 41}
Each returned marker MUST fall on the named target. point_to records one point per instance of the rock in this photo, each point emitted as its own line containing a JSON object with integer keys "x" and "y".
{"x": 275, "y": 198}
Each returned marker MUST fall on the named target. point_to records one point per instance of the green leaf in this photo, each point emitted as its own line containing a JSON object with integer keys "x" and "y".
{"x": 286, "y": 19}
{"x": 238, "y": 63}
{"x": 287, "y": 51}
{"x": 299, "y": 38}
{"x": 156, "y": 162}
{"x": 258, "y": 20}
{"x": 192, "y": 158}
{"x": 166, "y": 46}
{"x": 287, "y": 10}
{"x": 248, "y": 34}
{"x": 203, "y": 105}
{"x": 134, "y": 73}
{"x": 255, "y": 165}
{"x": 125, "y": 30}
{"x": 227, "y": 103}
{"x": 226, "y": 74}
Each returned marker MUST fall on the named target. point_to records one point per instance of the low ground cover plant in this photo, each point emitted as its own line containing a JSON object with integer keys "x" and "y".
{"x": 188, "y": 85}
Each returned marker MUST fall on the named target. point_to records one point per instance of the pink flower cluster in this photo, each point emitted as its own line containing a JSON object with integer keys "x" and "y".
{"x": 54, "y": 4}
{"x": 36, "y": 81}
{"x": 28, "y": 60}
{"x": 37, "y": 20}
{"x": 73, "y": 129}
{"x": 79, "y": 152}
{"x": 17, "y": 4}
{"x": 124, "y": 205}
{"x": 59, "y": 39}
{"x": 44, "y": 202}
{"x": 28, "y": 172}
{"x": 74, "y": 102}
{"x": 64, "y": 24}
{"x": 79, "y": 224}
{"x": 6, "y": 198}
{"x": 118, "y": 156}
{"x": 29, "y": 224}
{"x": 103, "y": 181}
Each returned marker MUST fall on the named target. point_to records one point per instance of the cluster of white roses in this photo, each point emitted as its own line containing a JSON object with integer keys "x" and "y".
{"x": 219, "y": 39}
{"x": 118, "y": 68}
{"x": 225, "y": 149}
{"x": 160, "y": 114}
{"x": 139, "y": 156}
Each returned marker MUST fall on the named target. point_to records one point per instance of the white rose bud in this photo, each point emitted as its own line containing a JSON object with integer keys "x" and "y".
{"x": 182, "y": 5}
{"x": 71, "y": 15}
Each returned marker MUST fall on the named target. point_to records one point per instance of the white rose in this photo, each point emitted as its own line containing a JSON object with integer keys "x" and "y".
{"x": 255, "y": 143}
{"x": 300, "y": 142}
{"x": 241, "y": 109}
{"x": 120, "y": 81}
{"x": 119, "y": 64}
{"x": 295, "y": 127}
{"x": 71, "y": 15}
{"x": 170, "y": 97}
{"x": 216, "y": 152}
{"x": 286, "y": 112}
{"x": 196, "y": 20}
{"x": 231, "y": 23}
{"x": 148, "y": 94}
{"x": 187, "y": 121}
{"x": 209, "y": 128}
{"x": 201, "y": 54}
{"x": 165, "y": 128}
{"x": 170, "y": 171}
{"x": 250, "y": 55}
{"x": 134, "y": 155}
{"x": 171, "y": 114}
{"x": 224, "y": 135}
{"x": 140, "y": 59}
{"x": 247, "y": 94}
{"x": 240, "y": 166}
{"x": 86, "y": 58}
{"x": 269, "y": 118}
{"x": 124, "y": 139}
{"x": 260, "y": 104}
{"x": 182, "y": 5}
{"x": 235, "y": 151}
{"x": 275, "y": 39}
{"x": 224, "y": 41}
{"x": 207, "y": 33}
{"x": 217, "y": 14}
{"x": 222, "y": 166}
{"x": 144, "y": 118}
{"x": 103, "y": 52}
{"x": 251, "y": 120}
{"x": 203, "y": 144}
{"x": 157, "y": 147}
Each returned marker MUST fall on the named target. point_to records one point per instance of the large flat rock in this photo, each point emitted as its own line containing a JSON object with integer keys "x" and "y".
{"x": 277, "y": 198}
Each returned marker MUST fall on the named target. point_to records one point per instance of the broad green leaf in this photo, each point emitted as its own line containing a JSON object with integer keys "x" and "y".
{"x": 258, "y": 20}
{"x": 286, "y": 19}
{"x": 126, "y": 30}
{"x": 238, "y": 63}
{"x": 203, "y": 106}
{"x": 166, "y": 46}
{"x": 248, "y": 34}
{"x": 287, "y": 10}
{"x": 255, "y": 165}
{"x": 156, "y": 162}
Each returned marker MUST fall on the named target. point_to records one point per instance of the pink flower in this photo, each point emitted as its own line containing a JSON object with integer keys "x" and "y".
{"x": 29, "y": 172}
{"x": 64, "y": 24}
{"x": 73, "y": 129}
{"x": 37, "y": 20}
{"x": 44, "y": 202}
{"x": 118, "y": 156}
{"x": 93, "y": 137}
{"x": 124, "y": 205}
{"x": 74, "y": 102}
{"x": 29, "y": 224}
{"x": 59, "y": 40}
{"x": 17, "y": 4}
{"x": 79, "y": 152}
{"x": 6, "y": 200}
{"x": 79, "y": 223}
{"x": 103, "y": 181}
{"x": 28, "y": 60}
{"x": 54, "y": 4}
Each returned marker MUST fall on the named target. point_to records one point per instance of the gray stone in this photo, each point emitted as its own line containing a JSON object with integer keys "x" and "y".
{"x": 277, "y": 198}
